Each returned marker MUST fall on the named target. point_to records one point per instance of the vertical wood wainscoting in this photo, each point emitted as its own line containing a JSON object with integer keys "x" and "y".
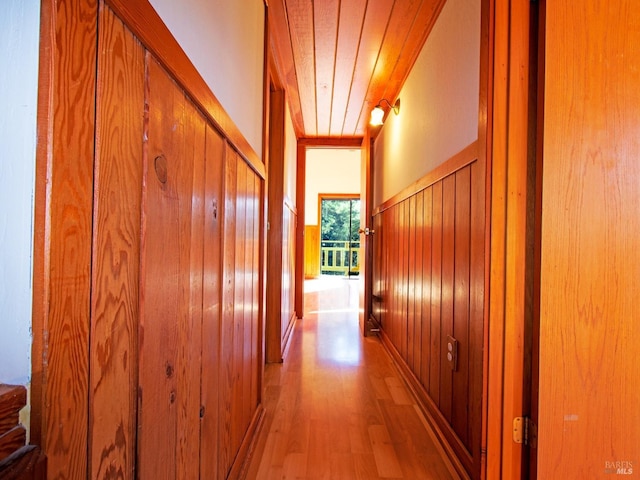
{"x": 199, "y": 332}
{"x": 173, "y": 345}
{"x": 428, "y": 284}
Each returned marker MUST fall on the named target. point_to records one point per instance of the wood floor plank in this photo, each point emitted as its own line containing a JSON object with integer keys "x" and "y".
{"x": 337, "y": 407}
{"x": 385, "y": 455}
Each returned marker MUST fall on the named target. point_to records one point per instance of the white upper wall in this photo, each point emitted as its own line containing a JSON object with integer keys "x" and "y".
{"x": 290, "y": 158}
{"x": 225, "y": 42}
{"x": 329, "y": 170}
{"x": 19, "y": 38}
{"x": 439, "y": 103}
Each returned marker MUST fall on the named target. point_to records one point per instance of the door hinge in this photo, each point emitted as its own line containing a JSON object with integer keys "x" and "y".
{"x": 525, "y": 431}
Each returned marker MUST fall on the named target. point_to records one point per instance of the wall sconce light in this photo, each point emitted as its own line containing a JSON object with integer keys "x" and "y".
{"x": 377, "y": 114}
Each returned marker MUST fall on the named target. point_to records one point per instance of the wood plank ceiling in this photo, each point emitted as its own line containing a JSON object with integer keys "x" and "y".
{"x": 338, "y": 58}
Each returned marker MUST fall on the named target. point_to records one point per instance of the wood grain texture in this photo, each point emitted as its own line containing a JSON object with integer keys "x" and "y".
{"x": 12, "y": 440}
{"x": 366, "y": 241}
{"x": 236, "y": 403}
{"x": 288, "y": 314}
{"x": 301, "y": 35}
{"x": 301, "y": 169}
{"x": 116, "y": 251}
{"x": 215, "y": 151}
{"x": 461, "y": 306}
{"x": 340, "y": 58}
{"x": 336, "y": 416}
{"x": 190, "y": 329}
{"x": 350, "y": 20}
{"x": 311, "y": 251}
{"x": 510, "y": 191}
{"x": 590, "y": 225}
{"x": 227, "y": 330}
{"x": 12, "y": 399}
{"x": 41, "y": 226}
{"x": 326, "y": 17}
{"x": 240, "y": 393}
{"x": 68, "y": 216}
{"x": 170, "y": 343}
{"x": 432, "y": 263}
{"x": 27, "y": 463}
{"x": 370, "y": 42}
{"x": 282, "y": 56}
{"x": 275, "y": 231}
{"x": 125, "y": 306}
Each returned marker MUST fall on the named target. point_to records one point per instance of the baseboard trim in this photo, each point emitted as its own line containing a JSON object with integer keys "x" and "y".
{"x": 433, "y": 425}
{"x": 247, "y": 449}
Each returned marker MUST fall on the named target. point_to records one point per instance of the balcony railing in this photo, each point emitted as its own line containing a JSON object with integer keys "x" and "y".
{"x": 339, "y": 257}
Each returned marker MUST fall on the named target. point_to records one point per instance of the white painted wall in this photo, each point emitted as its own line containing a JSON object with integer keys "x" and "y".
{"x": 329, "y": 170}
{"x": 290, "y": 158}
{"x": 225, "y": 41}
{"x": 439, "y": 103}
{"x": 19, "y": 40}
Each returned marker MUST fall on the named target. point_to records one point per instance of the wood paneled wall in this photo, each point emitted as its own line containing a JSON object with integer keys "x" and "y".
{"x": 166, "y": 380}
{"x": 311, "y": 251}
{"x": 288, "y": 317}
{"x": 281, "y": 239}
{"x": 428, "y": 284}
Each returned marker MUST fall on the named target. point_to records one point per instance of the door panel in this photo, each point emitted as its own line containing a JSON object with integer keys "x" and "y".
{"x": 589, "y": 330}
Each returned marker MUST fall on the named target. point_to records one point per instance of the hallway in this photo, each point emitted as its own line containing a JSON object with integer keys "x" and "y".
{"x": 337, "y": 408}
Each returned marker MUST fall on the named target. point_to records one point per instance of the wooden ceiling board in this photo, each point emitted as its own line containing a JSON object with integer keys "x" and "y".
{"x": 281, "y": 48}
{"x": 301, "y": 34}
{"x": 350, "y": 27}
{"x": 341, "y": 57}
{"x": 326, "y": 16}
{"x": 373, "y": 31}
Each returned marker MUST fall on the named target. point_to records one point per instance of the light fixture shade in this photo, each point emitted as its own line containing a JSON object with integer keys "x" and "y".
{"x": 377, "y": 114}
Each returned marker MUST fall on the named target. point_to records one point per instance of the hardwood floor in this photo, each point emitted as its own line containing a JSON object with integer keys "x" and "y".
{"x": 337, "y": 408}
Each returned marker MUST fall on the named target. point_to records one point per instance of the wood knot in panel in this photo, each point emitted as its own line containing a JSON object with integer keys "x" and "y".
{"x": 160, "y": 165}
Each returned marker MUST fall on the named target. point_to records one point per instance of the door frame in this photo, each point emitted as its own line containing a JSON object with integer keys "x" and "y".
{"x": 332, "y": 196}
{"x": 510, "y": 135}
{"x": 303, "y": 144}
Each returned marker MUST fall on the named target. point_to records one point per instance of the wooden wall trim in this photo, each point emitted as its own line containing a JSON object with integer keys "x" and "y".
{"x": 484, "y": 145}
{"x": 148, "y": 27}
{"x": 63, "y": 233}
{"x": 247, "y": 448}
{"x": 42, "y": 226}
{"x": 276, "y": 229}
{"x": 335, "y": 142}
{"x": 511, "y": 188}
{"x": 460, "y": 160}
{"x": 301, "y": 169}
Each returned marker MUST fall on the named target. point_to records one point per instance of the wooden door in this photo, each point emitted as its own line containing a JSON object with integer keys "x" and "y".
{"x": 589, "y": 424}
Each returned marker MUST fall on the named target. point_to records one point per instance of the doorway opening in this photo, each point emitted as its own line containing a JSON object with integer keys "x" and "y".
{"x": 339, "y": 237}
